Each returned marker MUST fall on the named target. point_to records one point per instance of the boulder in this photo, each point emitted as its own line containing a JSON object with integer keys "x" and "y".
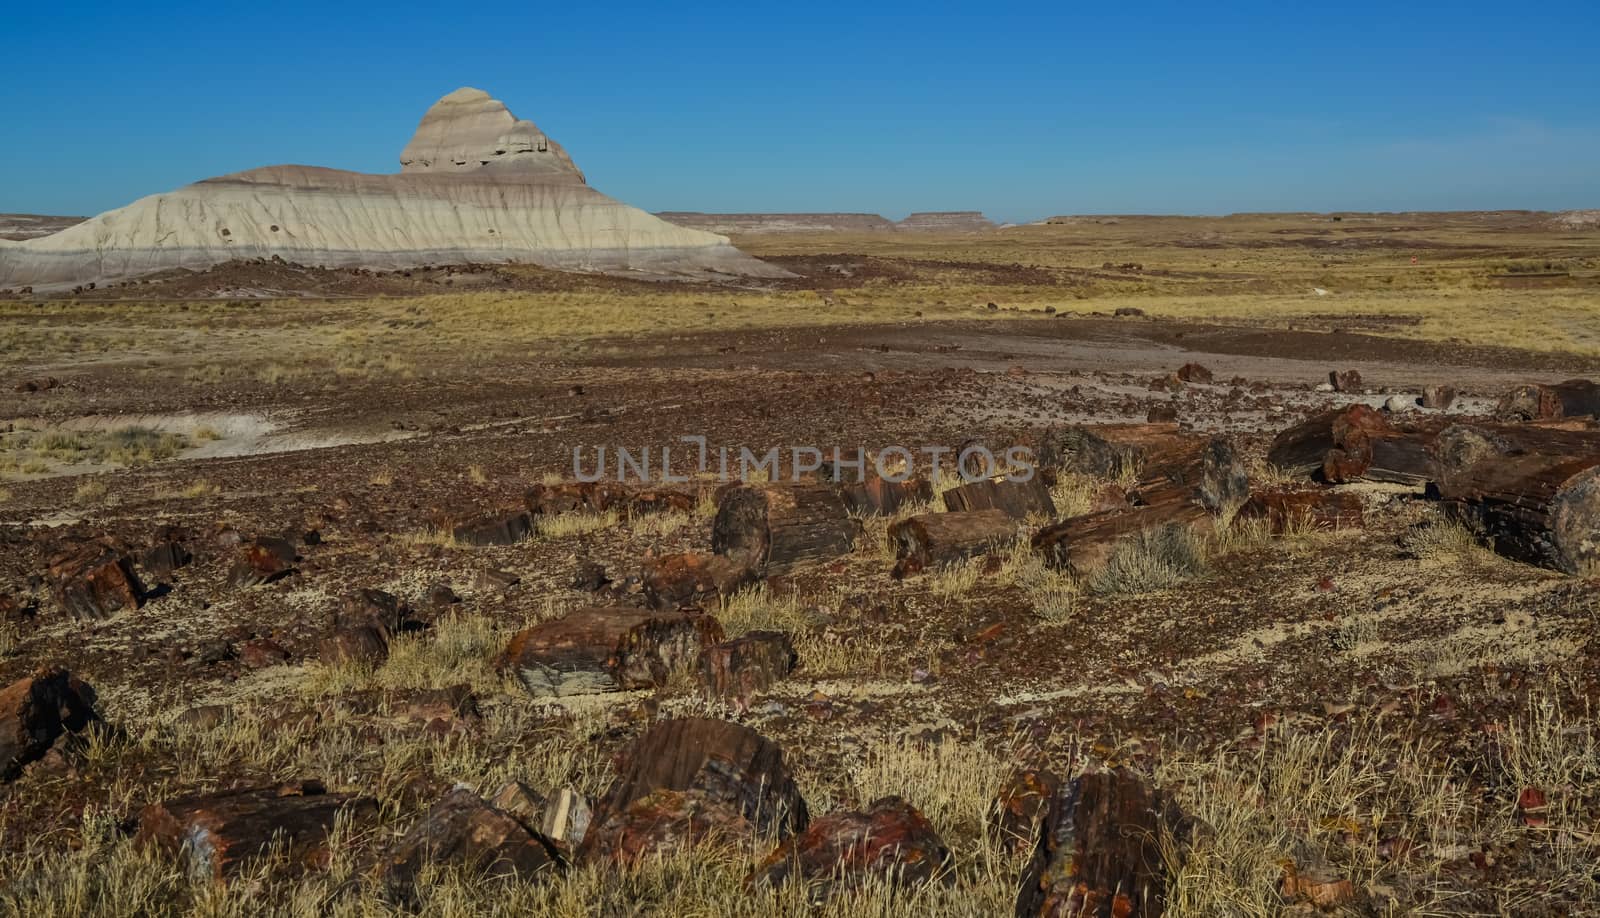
{"x": 262, "y": 560}
{"x": 607, "y": 649}
{"x": 463, "y": 831}
{"x": 36, "y": 711}
{"x": 92, "y": 580}
{"x": 746, "y": 665}
{"x": 691, "y": 778}
{"x": 217, "y": 834}
{"x": 891, "y": 842}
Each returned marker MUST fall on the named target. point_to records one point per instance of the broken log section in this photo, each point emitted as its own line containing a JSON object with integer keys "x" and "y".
{"x": 1019, "y": 499}
{"x": 1540, "y": 509}
{"x": 1570, "y": 399}
{"x": 1110, "y": 450}
{"x": 1285, "y": 511}
{"x": 931, "y": 539}
{"x": 607, "y": 649}
{"x": 689, "y": 577}
{"x": 775, "y": 528}
{"x": 1084, "y": 545}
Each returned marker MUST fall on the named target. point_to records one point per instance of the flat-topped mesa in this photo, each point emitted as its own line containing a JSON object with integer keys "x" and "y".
{"x": 470, "y": 130}
{"x": 946, "y": 220}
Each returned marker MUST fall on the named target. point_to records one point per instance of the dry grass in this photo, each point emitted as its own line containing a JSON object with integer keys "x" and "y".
{"x": 572, "y": 525}
{"x": 90, "y": 492}
{"x": 1155, "y": 559}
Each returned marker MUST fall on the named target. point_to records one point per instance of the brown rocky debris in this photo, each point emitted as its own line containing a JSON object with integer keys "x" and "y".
{"x": 1319, "y": 885}
{"x": 1439, "y": 397}
{"x": 218, "y": 833}
{"x": 747, "y": 665}
{"x": 1021, "y": 806}
{"x": 1345, "y": 380}
{"x": 362, "y": 645}
{"x": 1570, "y": 399}
{"x": 664, "y": 821}
{"x": 36, "y": 711}
{"x": 462, "y": 830}
{"x": 262, "y": 560}
{"x": 168, "y": 552}
{"x": 692, "y": 776}
{"x": 1099, "y": 852}
{"x": 607, "y": 649}
{"x": 92, "y": 581}
{"x": 374, "y": 608}
{"x": 891, "y": 841}
{"x": 688, "y": 578}
{"x": 1194, "y": 373}
{"x": 505, "y": 529}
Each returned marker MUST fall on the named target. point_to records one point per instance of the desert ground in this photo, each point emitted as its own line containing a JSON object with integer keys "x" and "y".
{"x": 1378, "y": 716}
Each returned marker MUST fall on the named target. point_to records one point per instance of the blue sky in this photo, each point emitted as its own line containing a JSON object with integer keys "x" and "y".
{"x": 1021, "y": 110}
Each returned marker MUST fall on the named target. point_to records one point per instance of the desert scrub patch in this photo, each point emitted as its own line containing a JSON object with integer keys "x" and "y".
{"x": 571, "y": 525}
{"x": 1442, "y": 541}
{"x": 1153, "y": 559}
{"x": 90, "y": 492}
{"x": 1050, "y": 591}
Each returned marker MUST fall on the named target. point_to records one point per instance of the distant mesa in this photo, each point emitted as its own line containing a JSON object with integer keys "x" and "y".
{"x": 1577, "y": 219}
{"x": 477, "y": 185}
{"x": 17, "y": 227}
{"x": 935, "y": 221}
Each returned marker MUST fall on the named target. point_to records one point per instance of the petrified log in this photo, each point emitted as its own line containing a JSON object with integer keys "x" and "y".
{"x": 658, "y": 500}
{"x": 92, "y": 580}
{"x": 1084, "y": 545}
{"x": 262, "y": 560}
{"x": 1110, "y": 450}
{"x": 1018, "y": 498}
{"x": 1207, "y": 472}
{"x": 503, "y": 529}
{"x": 564, "y": 818}
{"x": 1345, "y": 380}
{"x": 930, "y": 539}
{"x": 464, "y": 831}
{"x": 1461, "y": 446}
{"x": 1438, "y": 398}
{"x": 689, "y": 577}
{"x": 775, "y": 528}
{"x": 383, "y": 611}
{"x": 716, "y": 760}
{"x": 167, "y": 553}
{"x": 663, "y": 822}
{"x": 891, "y": 842}
{"x": 875, "y": 496}
{"x": 35, "y": 711}
{"x": 1099, "y": 851}
{"x": 607, "y": 649}
{"x": 748, "y": 664}
{"x": 1284, "y": 511}
{"x": 360, "y": 644}
{"x": 1303, "y": 448}
{"x": 217, "y": 833}
{"x": 1573, "y": 398}
{"x": 1020, "y": 808}
{"x": 1540, "y": 509}
{"x": 575, "y": 496}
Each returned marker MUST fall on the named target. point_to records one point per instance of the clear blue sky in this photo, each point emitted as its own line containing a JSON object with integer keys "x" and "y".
{"x": 1018, "y": 109}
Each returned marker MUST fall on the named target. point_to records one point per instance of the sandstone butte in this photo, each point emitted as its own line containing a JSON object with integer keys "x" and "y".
{"x": 476, "y": 185}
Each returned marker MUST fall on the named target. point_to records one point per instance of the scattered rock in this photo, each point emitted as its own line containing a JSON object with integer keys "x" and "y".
{"x": 590, "y": 577}
{"x": 462, "y": 830}
{"x": 441, "y": 596}
{"x": 1194, "y": 373}
{"x": 261, "y": 653}
{"x": 508, "y": 529}
{"x": 1021, "y": 807}
{"x": 607, "y": 649}
{"x": 493, "y": 581}
{"x": 363, "y": 645}
{"x": 1439, "y": 398}
{"x": 891, "y": 842}
{"x": 93, "y": 581}
{"x": 693, "y": 778}
{"x": 1318, "y": 885}
{"x": 262, "y": 560}
{"x": 1162, "y": 413}
{"x": 1345, "y": 380}
{"x": 1128, "y": 312}
{"x": 217, "y": 834}
{"x": 37, "y": 384}
{"x": 687, "y": 578}
{"x": 1395, "y": 404}
{"x": 37, "y": 710}
{"x": 747, "y": 665}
